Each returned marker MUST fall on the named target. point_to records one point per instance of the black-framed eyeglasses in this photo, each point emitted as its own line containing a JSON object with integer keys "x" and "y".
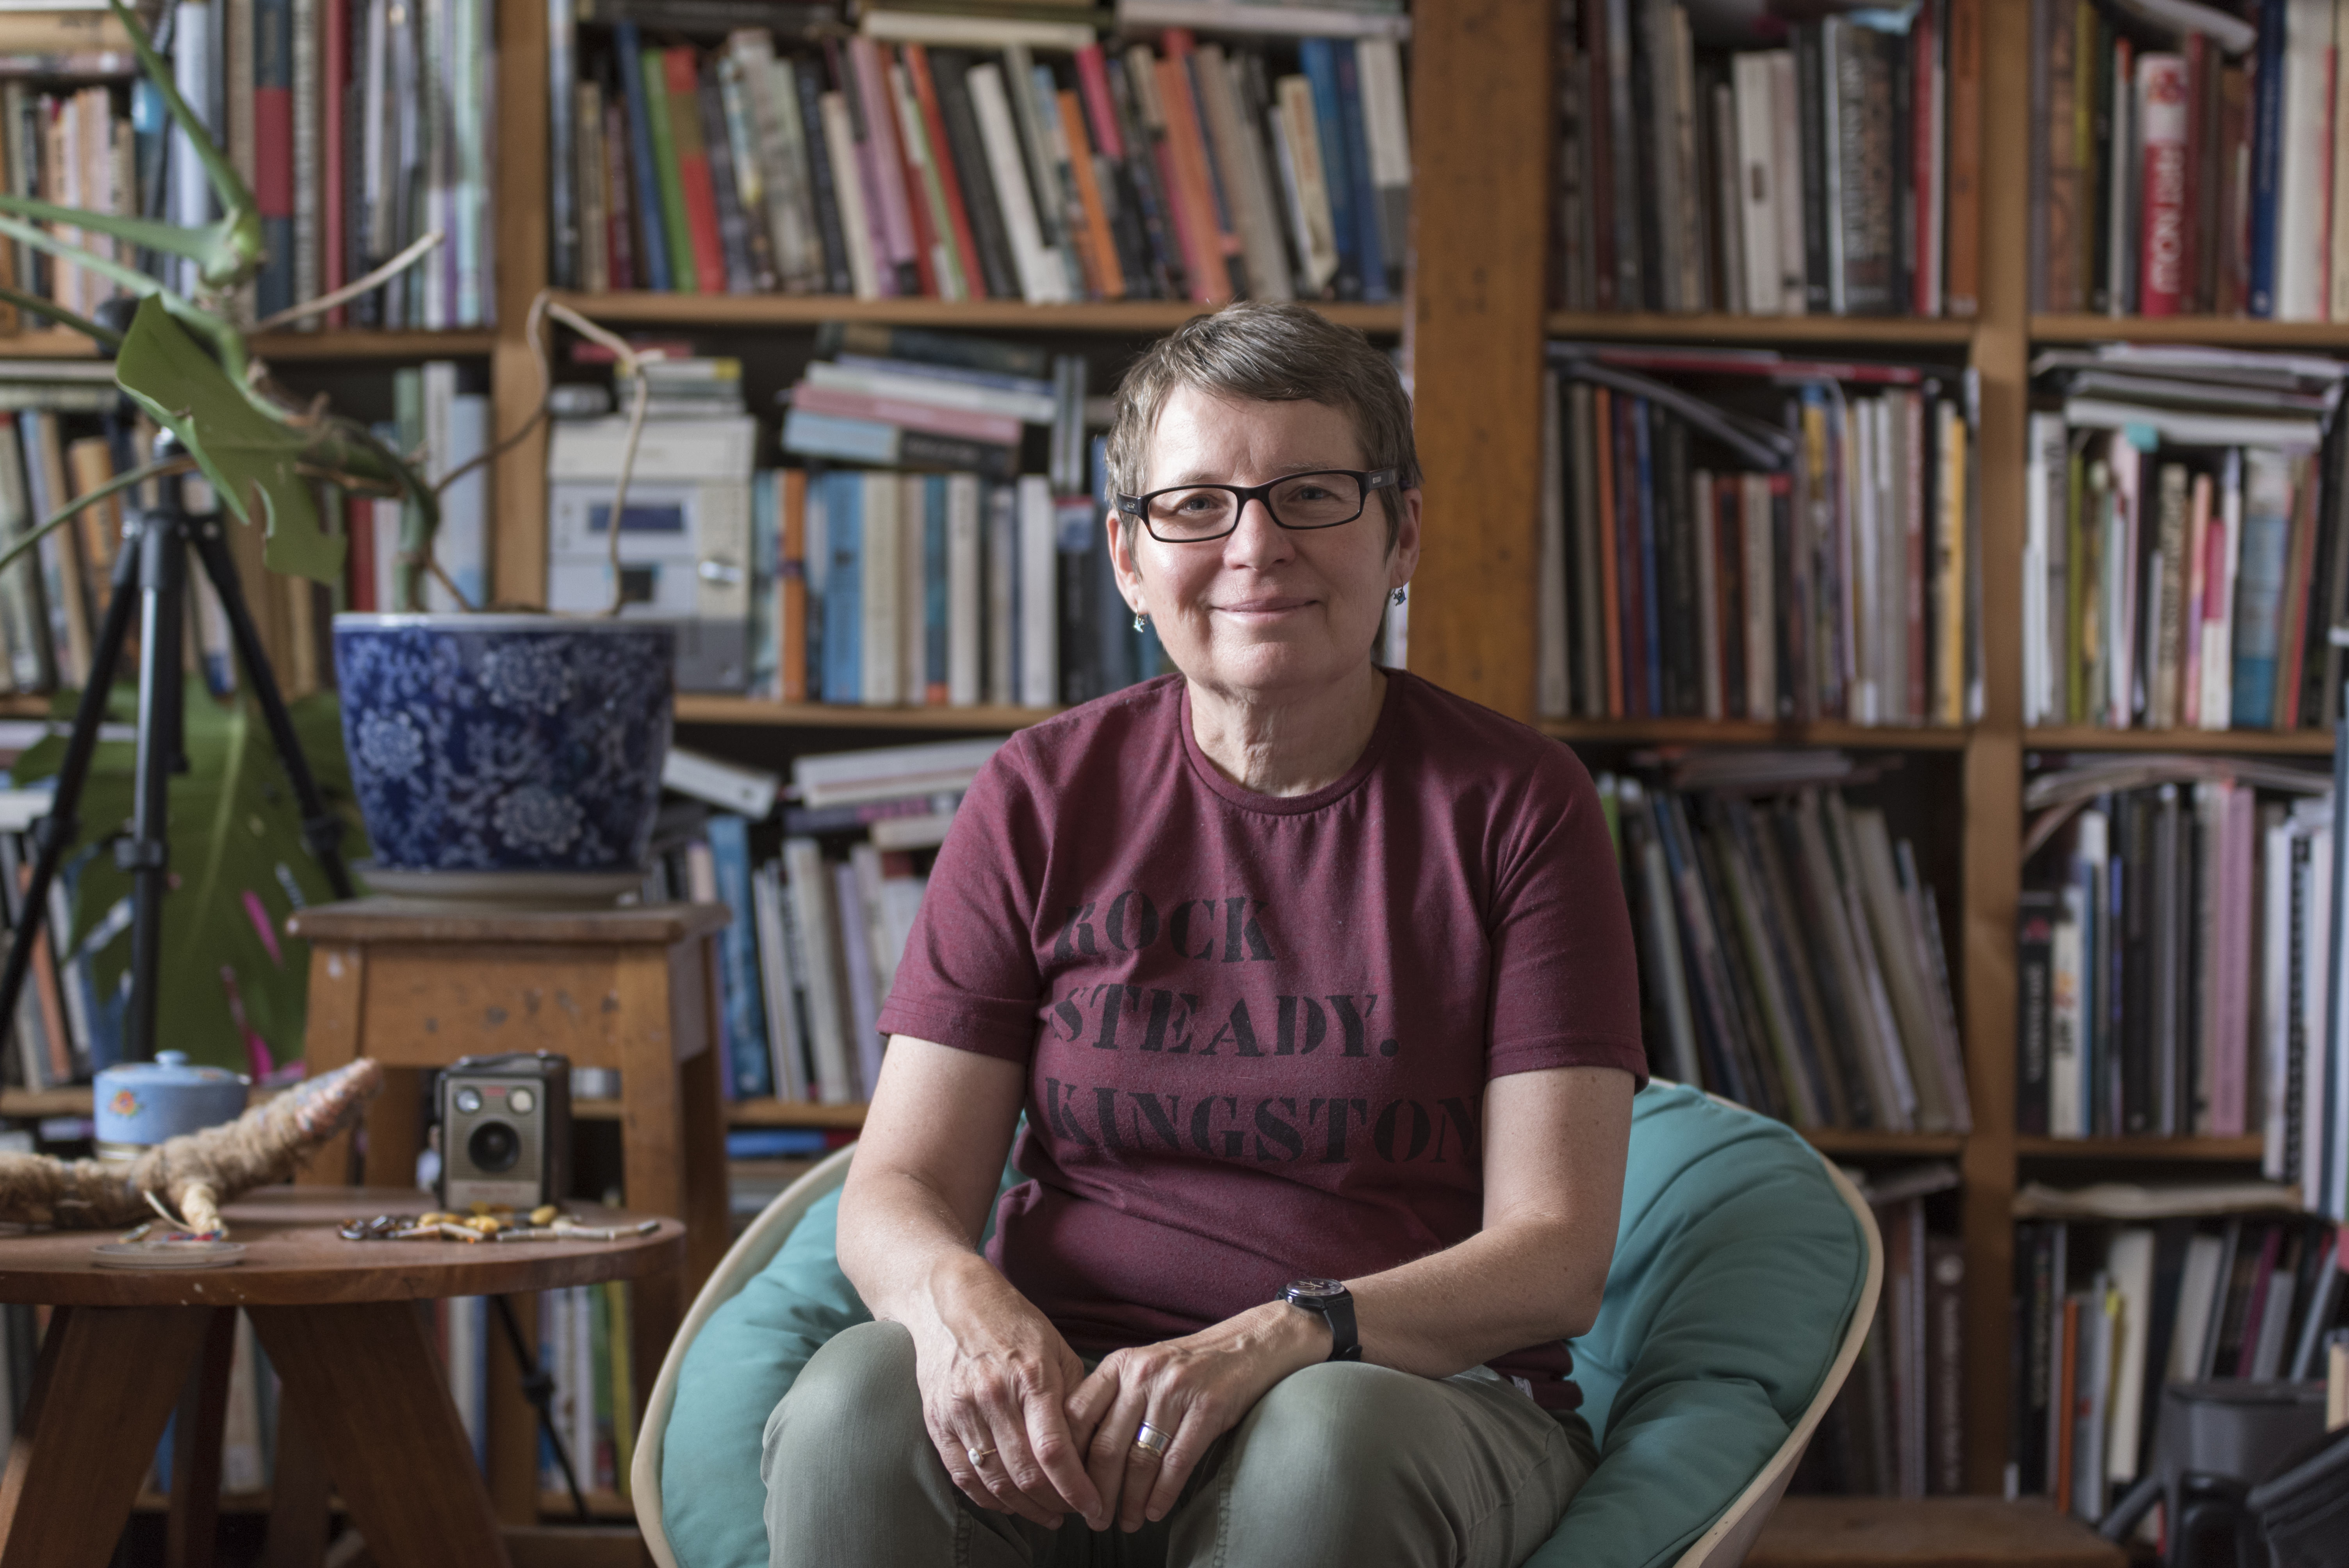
{"x": 1196, "y": 514}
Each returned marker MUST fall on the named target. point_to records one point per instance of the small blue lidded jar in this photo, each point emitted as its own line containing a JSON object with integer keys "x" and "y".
{"x": 139, "y": 1104}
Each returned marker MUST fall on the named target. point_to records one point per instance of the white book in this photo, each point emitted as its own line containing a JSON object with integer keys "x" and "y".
{"x": 2275, "y": 1318}
{"x": 882, "y": 772}
{"x": 729, "y": 786}
{"x": 1002, "y": 523}
{"x": 462, "y": 545}
{"x": 2066, "y": 1018}
{"x": 2197, "y": 1291}
{"x": 1039, "y": 621}
{"x": 1300, "y": 136}
{"x": 1387, "y": 131}
{"x": 2098, "y": 1326}
{"x": 818, "y": 932}
{"x": 193, "y": 44}
{"x": 1866, "y": 580}
{"x": 775, "y": 982}
{"x": 2129, "y": 1262}
{"x": 243, "y": 1465}
{"x": 938, "y": 391}
{"x": 2038, "y": 666}
{"x": 863, "y": 1012}
{"x": 1551, "y": 697}
{"x": 2218, "y": 636}
{"x": 1757, "y": 119}
{"x": 966, "y": 593}
{"x": 1284, "y": 19}
{"x": 883, "y": 647}
{"x": 580, "y": 1345}
{"x": 307, "y": 255}
{"x": 976, "y": 32}
{"x": 856, "y": 227}
{"x": 2275, "y": 991}
{"x": 2303, "y": 196}
{"x": 1787, "y": 164}
{"x": 1042, "y": 279}
{"x": 913, "y": 601}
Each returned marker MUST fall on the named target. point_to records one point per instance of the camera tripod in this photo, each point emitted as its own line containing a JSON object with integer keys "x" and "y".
{"x": 150, "y": 581}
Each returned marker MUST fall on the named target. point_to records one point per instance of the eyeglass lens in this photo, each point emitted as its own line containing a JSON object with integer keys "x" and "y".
{"x": 1300, "y": 500}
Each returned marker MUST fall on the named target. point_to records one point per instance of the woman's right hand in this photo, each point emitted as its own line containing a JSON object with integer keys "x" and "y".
{"x": 994, "y": 1375}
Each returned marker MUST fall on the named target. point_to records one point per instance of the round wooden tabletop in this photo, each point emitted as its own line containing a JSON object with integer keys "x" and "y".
{"x": 293, "y": 1257}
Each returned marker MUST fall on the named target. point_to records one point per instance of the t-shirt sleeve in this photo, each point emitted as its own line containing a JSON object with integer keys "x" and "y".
{"x": 968, "y": 977}
{"x": 1566, "y": 981}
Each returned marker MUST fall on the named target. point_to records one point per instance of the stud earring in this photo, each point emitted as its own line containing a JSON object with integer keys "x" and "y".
{"x": 1141, "y": 620}
{"x": 1396, "y": 597}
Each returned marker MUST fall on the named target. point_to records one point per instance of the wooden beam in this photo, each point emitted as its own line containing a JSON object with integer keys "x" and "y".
{"x": 518, "y": 538}
{"x": 1481, "y": 201}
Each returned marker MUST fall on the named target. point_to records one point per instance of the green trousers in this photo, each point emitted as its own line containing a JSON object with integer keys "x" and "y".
{"x": 1340, "y": 1466}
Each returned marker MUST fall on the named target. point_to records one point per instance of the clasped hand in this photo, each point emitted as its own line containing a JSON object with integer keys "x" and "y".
{"x": 1024, "y": 1429}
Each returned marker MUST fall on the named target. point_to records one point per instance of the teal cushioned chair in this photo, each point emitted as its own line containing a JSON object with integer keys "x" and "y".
{"x": 1746, "y": 1275}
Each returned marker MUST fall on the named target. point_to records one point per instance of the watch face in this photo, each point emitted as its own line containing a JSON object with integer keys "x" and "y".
{"x": 1314, "y": 1289}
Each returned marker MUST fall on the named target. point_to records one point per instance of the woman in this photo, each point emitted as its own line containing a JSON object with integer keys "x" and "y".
{"x": 1317, "y": 987}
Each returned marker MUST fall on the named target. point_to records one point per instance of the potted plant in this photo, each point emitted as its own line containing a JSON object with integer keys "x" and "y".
{"x": 494, "y": 751}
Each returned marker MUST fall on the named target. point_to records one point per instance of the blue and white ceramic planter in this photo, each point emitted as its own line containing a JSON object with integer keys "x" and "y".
{"x": 506, "y": 744}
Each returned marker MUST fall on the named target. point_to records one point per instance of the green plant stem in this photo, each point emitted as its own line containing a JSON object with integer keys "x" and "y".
{"x": 61, "y": 315}
{"x": 242, "y": 214}
{"x": 115, "y": 485}
{"x": 225, "y": 338}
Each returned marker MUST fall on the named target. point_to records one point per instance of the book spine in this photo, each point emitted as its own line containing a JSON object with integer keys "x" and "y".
{"x": 1369, "y": 246}
{"x": 2267, "y": 156}
{"x": 887, "y": 164}
{"x": 745, "y": 271}
{"x": 1819, "y": 217}
{"x": 690, "y": 203}
{"x": 839, "y": 272}
{"x": 2164, "y": 288}
{"x": 945, "y": 168}
{"x": 749, "y": 1061}
{"x": 640, "y": 75}
{"x": 1319, "y": 57}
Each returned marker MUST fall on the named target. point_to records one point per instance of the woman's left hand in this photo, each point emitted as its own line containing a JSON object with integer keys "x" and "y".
{"x": 1194, "y": 1390}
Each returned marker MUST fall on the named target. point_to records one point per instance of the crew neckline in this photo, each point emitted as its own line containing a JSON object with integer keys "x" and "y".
{"x": 1267, "y": 805}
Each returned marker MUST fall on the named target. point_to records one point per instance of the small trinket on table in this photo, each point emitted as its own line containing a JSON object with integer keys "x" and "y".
{"x": 489, "y": 1223}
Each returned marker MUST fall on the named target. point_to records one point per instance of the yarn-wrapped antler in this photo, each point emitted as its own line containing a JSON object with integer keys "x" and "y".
{"x": 192, "y": 1174}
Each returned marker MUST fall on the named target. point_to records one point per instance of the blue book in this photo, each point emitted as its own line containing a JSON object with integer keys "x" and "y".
{"x": 838, "y": 436}
{"x": 844, "y": 588}
{"x": 1320, "y": 58}
{"x": 934, "y": 589}
{"x": 749, "y": 1067}
{"x": 1364, "y": 194}
{"x": 2260, "y": 585}
{"x": 774, "y": 1142}
{"x": 2267, "y": 153}
{"x": 652, "y": 253}
{"x": 1652, "y": 655}
{"x": 766, "y": 570}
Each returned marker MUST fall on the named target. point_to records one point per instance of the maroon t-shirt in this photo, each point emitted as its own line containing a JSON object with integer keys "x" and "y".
{"x": 1257, "y": 1028}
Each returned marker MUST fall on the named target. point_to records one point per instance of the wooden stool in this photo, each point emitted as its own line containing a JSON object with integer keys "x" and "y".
{"x": 417, "y": 985}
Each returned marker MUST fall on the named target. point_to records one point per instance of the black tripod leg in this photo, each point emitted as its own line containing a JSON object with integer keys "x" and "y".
{"x": 320, "y": 830}
{"x": 146, "y": 855}
{"x": 63, "y": 823}
{"x": 538, "y": 1387}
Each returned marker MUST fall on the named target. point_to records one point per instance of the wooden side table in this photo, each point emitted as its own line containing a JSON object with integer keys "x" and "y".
{"x": 360, "y": 1371}
{"x": 417, "y": 985}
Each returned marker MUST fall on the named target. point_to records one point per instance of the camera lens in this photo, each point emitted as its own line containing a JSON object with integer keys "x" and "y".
{"x": 469, "y": 1101}
{"x": 494, "y": 1146}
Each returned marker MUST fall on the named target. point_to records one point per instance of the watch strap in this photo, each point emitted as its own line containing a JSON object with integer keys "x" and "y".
{"x": 1344, "y": 1344}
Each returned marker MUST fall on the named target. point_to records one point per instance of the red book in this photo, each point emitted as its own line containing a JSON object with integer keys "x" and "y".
{"x": 684, "y": 82}
{"x": 927, "y": 239}
{"x": 933, "y": 124}
{"x": 2164, "y": 286}
{"x": 1186, "y": 160}
{"x": 273, "y": 153}
{"x": 358, "y": 558}
{"x": 1093, "y": 76}
{"x": 334, "y": 63}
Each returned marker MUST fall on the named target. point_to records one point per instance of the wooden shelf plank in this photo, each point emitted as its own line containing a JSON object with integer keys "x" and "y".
{"x": 2217, "y": 330}
{"x": 2222, "y": 1148}
{"x": 1851, "y": 331}
{"x": 61, "y": 343}
{"x": 2089, "y": 737}
{"x": 710, "y": 708}
{"x": 640, "y": 307}
{"x": 1851, "y": 1141}
{"x": 793, "y": 1113}
{"x": 1751, "y": 732}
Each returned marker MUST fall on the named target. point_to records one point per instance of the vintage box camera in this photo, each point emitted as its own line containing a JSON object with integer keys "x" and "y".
{"x": 505, "y": 1130}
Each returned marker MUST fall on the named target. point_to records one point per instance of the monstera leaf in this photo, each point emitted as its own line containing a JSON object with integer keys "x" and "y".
{"x": 238, "y": 868}
{"x": 251, "y": 456}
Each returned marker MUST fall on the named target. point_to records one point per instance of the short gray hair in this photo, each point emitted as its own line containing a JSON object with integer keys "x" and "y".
{"x": 1274, "y": 352}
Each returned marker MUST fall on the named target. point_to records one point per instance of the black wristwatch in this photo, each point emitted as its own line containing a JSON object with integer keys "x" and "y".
{"x": 1334, "y": 1304}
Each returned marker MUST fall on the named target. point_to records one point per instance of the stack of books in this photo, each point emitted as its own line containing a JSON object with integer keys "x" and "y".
{"x": 2123, "y": 1290}
{"x": 2170, "y": 976}
{"x": 967, "y": 157}
{"x": 2182, "y": 548}
{"x": 2183, "y": 159}
{"x": 944, "y": 575}
{"x": 1837, "y": 175}
{"x": 1791, "y": 953}
{"x": 1735, "y": 534}
{"x": 584, "y": 1344}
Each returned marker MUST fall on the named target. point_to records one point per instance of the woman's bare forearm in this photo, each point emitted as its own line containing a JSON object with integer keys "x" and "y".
{"x": 1500, "y": 1290}
{"x": 901, "y": 1242}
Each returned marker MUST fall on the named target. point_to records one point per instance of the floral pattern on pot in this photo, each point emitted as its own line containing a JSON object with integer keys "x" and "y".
{"x": 486, "y": 744}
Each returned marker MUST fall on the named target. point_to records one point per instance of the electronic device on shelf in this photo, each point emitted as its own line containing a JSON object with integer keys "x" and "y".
{"x": 505, "y": 1130}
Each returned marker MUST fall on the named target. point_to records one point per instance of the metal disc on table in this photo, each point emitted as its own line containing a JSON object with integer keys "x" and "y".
{"x": 167, "y": 1254}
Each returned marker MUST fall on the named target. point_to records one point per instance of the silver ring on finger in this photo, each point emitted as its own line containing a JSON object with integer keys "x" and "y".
{"x": 1150, "y": 1441}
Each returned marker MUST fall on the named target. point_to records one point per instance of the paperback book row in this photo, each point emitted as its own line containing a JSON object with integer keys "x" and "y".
{"x": 1790, "y": 953}
{"x": 818, "y": 929}
{"x": 2177, "y": 962}
{"x": 1729, "y": 534}
{"x": 1897, "y": 1427}
{"x": 359, "y": 126}
{"x": 2183, "y": 159}
{"x": 1838, "y": 173}
{"x": 2109, "y": 1314}
{"x": 583, "y": 1344}
{"x": 807, "y": 163}
{"x": 2183, "y": 549}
